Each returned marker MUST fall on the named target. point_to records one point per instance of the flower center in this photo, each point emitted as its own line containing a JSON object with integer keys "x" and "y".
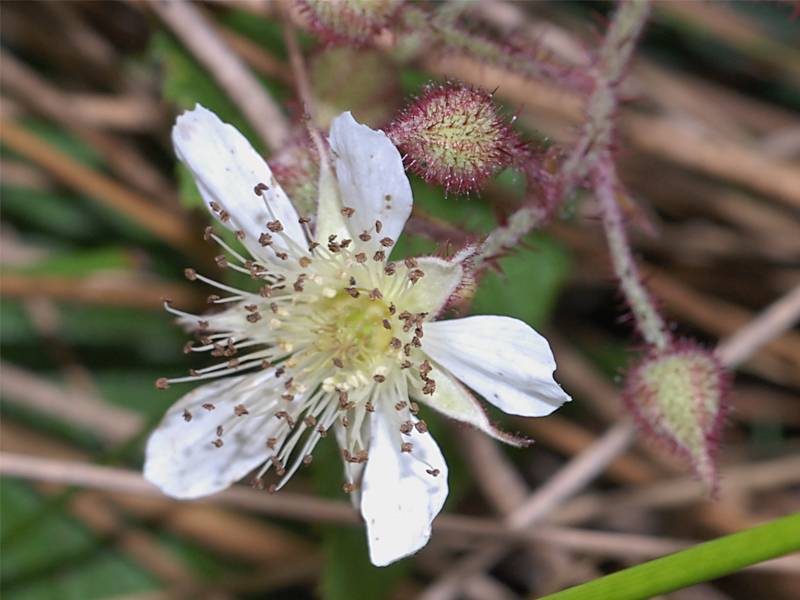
{"x": 353, "y": 329}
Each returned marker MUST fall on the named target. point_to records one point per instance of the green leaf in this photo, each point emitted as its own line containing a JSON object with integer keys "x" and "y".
{"x": 529, "y": 283}
{"x": 699, "y": 563}
{"x": 59, "y": 558}
{"x": 80, "y": 263}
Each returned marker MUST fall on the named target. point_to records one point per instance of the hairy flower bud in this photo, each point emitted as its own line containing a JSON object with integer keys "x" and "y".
{"x": 349, "y": 21}
{"x": 680, "y": 396}
{"x": 453, "y": 136}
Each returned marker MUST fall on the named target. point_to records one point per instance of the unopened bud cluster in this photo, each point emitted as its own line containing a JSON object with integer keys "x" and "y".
{"x": 349, "y": 21}
{"x": 454, "y": 136}
{"x": 679, "y": 395}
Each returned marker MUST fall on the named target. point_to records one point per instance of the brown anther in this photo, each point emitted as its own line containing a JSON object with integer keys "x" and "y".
{"x": 343, "y": 399}
{"x": 338, "y": 362}
{"x": 240, "y": 410}
{"x": 208, "y": 406}
{"x": 348, "y": 487}
{"x": 406, "y": 364}
{"x": 265, "y": 291}
{"x": 407, "y": 349}
{"x": 387, "y": 242}
{"x": 279, "y": 469}
{"x": 275, "y": 226}
{"x": 288, "y": 397}
{"x": 307, "y": 459}
{"x": 313, "y": 246}
{"x": 345, "y": 421}
{"x": 265, "y": 364}
{"x": 251, "y": 307}
{"x": 406, "y": 447}
{"x": 219, "y": 430}
{"x": 348, "y": 212}
{"x": 416, "y": 275}
{"x": 352, "y": 291}
{"x": 212, "y": 298}
{"x": 310, "y": 420}
{"x": 421, "y": 426}
{"x": 386, "y": 324}
{"x": 333, "y": 247}
{"x": 418, "y": 332}
{"x": 282, "y": 414}
{"x": 304, "y": 220}
{"x": 361, "y": 257}
{"x": 369, "y": 406}
{"x": 410, "y": 262}
{"x": 202, "y": 324}
{"x": 288, "y": 383}
{"x": 390, "y": 269}
{"x": 273, "y": 306}
{"x": 297, "y": 286}
{"x": 406, "y": 427}
{"x": 190, "y": 274}
{"x": 221, "y": 260}
{"x": 379, "y": 256}
{"x": 162, "y": 383}
{"x": 224, "y": 216}
{"x": 208, "y": 232}
{"x": 379, "y": 378}
{"x": 375, "y": 294}
{"x": 214, "y": 206}
{"x": 392, "y": 308}
{"x": 265, "y": 239}
{"x": 279, "y": 372}
{"x": 378, "y": 226}
{"x": 187, "y": 416}
{"x": 272, "y": 488}
{"x": 304, "y": 261}
{"x": 322, "y": 431}
{"x": 233, "y": 363}
{"x": 282, "y": 255}
{"x": 271, "y": 442}
{"x": 415, "y": 342}
{"x": 240, "y": 235}
{"x": 425, "y": 368}
{"x": 413, "y": 408}
{"x": 364, "y": 236}
{"x": 400, "y": 405}
{"x": 345, "y": 243}
{"x": 433, "y": 472}
{"x": 260, "y": 188}
{"x": 217, "y": 443}
{"x": 395, "y": 343}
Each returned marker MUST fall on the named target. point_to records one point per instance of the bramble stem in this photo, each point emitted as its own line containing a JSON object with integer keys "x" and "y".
{"x": 649, "y": 321}
{"x": 694, "y": 565}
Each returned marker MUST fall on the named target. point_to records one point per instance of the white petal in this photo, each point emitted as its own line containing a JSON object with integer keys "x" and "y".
{"x": 453, "y": 400}
{"x": 180, "y": 457}
{"x": 227, "y": 170}
{"x": 440, "y": 281}
{"x": 399, "y": 498}
{"x": 330, "y": 220}
{"x": 501, "y": 358}
{"x": 371, "y": 177}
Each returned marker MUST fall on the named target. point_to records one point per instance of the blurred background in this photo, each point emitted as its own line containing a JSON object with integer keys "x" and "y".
{"x": 98, "y": 225}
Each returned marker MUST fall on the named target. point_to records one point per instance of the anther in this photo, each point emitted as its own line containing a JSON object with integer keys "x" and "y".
{"x": 265, "y": 239}
{"x": 410, "y": 262}
{"x": 240, "y": 410}
{"x": 187, "y": 347}
{"x": 379, "y": 378}
{"x": 187, "y": 416}
{"x": 162, "y": 383}
{"x": 386, "y": 324}
{"x": 208, "y": 232}
{"x": 364, "y": 236}
{"x": 378, "y": 226}
{"x": 208, "y": 406}
{"x": 219, "y": 430}
{"x": 338, "y": 362}
{"x": 348, "y": 487}
{"x": 416, "y": 275}
{"x": 406, "y": 447}
{"x": 190, "y": 274}
{"x": 304, "y": 261}
{"x": 361, "y": 257}
{"x": 240, "y": 235}
{"x": 217, "y": 443}
{"x": 310, "y": 420}
{"x": 271, "y": 442}
{"x": 282, "y": 255}
{"x": 352, "y": 291}
{"x": 379, "y": 256}
{"x": 348, "y": 212}
{"x": 265, "y": 291}
{"x": 421, "y": 426}
{"x": 387, "y": 242}
{"x": 406, "y": 427}
{"x": 221, "y": 260}
{"x": 212, "y": 298}
{"x": 275, "y": 226}
{"x": 433, "y": 472}
{"x": 390, "y": 269}
{"x": 375, "y": 294}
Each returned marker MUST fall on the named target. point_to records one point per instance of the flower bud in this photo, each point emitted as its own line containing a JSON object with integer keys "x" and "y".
{"x": 680, "y": 396}
{"x": 349, "y": 21}
{"x": 453, "y": 136}
{"x": 362, "y": 81}
{"x": 296, "y": 167}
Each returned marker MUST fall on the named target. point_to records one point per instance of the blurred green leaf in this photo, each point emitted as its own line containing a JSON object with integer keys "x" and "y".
{"x": 529, "y": 283}
{"x": 80, "y": 263}
{"x": 50, "y": 213}
{"x": 59, "y": 558}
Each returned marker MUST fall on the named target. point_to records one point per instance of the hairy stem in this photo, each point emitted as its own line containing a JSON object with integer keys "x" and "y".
{"x": 648, "y": 320}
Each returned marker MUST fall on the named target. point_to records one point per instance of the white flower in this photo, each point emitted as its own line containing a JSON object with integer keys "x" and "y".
{"x": 335, "y": 336}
